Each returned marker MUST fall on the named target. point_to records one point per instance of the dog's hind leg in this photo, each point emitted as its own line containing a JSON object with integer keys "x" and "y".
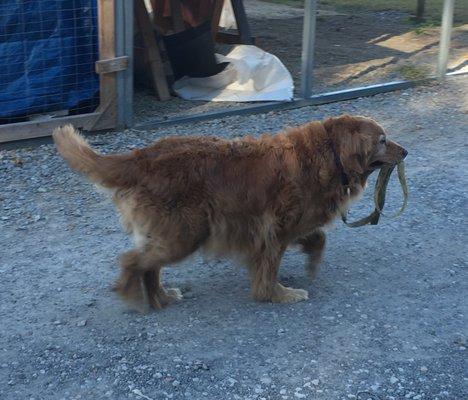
{"x": 130, "y": 285}
{"x": 264, "y": 268}
{"x": 140, "y": 279}
{"x": 313, "y": 245}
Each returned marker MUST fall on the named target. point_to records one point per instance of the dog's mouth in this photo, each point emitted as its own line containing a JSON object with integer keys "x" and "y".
{"x": 376, "y": 165}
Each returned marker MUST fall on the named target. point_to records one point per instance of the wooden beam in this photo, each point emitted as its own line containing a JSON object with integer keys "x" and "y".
{"x": 34, "y": 129}
{"x": 112, "y": 65}
{"x": 154, "y": 57}
{"x": 217, "y": 10}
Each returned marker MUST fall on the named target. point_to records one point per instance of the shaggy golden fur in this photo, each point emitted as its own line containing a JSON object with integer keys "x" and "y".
{"x": 246, "y": 198}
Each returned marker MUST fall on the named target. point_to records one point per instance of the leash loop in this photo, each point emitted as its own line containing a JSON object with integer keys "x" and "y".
{"x": 379, "y": 197}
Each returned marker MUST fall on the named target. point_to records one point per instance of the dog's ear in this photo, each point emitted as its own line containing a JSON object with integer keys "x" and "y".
{"x": 341, "y": 125}
{"x": 344, "y": 131}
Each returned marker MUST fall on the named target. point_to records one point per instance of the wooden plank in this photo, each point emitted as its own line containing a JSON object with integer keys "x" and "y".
{"x": 112, "y": 65}
{"x": 154, "y": 57}
{"x": 216, "y": 16}
{"x": 108, "y": 82}
{"x": 34, "y": 129}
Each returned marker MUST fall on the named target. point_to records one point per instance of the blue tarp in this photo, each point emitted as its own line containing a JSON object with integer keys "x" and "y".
{"x": 47, "y": 53}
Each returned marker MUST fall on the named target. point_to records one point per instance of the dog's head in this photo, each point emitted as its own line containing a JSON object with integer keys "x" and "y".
{"x": 362, "y": 144}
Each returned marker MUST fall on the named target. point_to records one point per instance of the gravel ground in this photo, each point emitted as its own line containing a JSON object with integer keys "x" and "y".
{"x": 386, "y": 318}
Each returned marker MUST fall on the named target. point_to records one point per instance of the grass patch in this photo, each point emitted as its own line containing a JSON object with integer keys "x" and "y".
{"x": 413, "y": 72}
{"x": 433, "y": 7}
{"x": 425, "y": 26}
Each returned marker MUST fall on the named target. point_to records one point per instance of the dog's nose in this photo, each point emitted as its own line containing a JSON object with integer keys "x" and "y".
{"x": 405, "y": 153}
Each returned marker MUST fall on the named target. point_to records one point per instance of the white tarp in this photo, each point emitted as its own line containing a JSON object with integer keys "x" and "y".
{"x": 227, "y": 19}
{"x": 252, "y": 75}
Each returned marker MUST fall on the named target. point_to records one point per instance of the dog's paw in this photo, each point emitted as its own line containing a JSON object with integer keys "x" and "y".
{"x": 164, "y": 297}
{"x": 175, "y": 294}
{"x": 169, "y": 296}
{"x": 289, "y": 295}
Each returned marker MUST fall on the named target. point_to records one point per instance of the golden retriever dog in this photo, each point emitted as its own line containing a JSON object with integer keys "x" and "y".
{"x": 248, "y": 198}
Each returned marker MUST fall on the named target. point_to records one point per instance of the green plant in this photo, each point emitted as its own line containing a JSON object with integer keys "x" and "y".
{"x": 413, "y": 72}
{"x": 423, "y": 27}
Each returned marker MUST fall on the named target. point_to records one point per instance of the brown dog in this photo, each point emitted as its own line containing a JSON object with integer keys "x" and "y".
{"x": 247, "y": 198}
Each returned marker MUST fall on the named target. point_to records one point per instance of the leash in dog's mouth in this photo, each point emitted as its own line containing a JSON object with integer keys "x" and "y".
{"x": 379, "y": 197}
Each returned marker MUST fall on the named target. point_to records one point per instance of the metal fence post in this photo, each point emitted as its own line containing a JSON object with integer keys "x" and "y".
{"x": 124, "y": 47}
{"x": 445, "y": 35}
{"x": 308, "y": 45}
{"x": 129, "y": 20}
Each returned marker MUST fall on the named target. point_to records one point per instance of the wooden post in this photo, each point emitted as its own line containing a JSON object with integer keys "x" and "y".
{"x": 155, "y": 62}
{"x": 108, "y": 82}
{"x": 217, "y": 10}
{"x": 420, "y": 10}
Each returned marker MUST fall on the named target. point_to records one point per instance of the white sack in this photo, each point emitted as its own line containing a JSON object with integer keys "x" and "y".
{"x": 252, "y": 75}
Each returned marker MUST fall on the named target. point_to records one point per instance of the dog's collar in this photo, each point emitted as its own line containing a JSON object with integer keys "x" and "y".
{"x": 343, "y": 176}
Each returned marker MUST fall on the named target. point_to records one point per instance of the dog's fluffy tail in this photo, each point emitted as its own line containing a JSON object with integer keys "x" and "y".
{"x": 106, "y": 170}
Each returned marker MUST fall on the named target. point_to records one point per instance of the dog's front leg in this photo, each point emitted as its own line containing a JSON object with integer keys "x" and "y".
{"x": 264, "y": 267}
{"x": 313, "y": 245}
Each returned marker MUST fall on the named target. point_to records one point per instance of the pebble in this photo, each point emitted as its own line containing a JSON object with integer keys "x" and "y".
{"x": 231, "y": 381}
{"x": 265, "y": 380}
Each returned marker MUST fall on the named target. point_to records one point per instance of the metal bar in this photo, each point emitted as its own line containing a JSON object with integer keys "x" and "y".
{"x": 128, "y": 48}
{"x": 445, "y": 35}
{"x": 319, "y": 99}
{"x": 241, "y": 21}
{"x": 308, "y": 45}
{"x": 120, "y": 51}
{"x": 124, "y": 47}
